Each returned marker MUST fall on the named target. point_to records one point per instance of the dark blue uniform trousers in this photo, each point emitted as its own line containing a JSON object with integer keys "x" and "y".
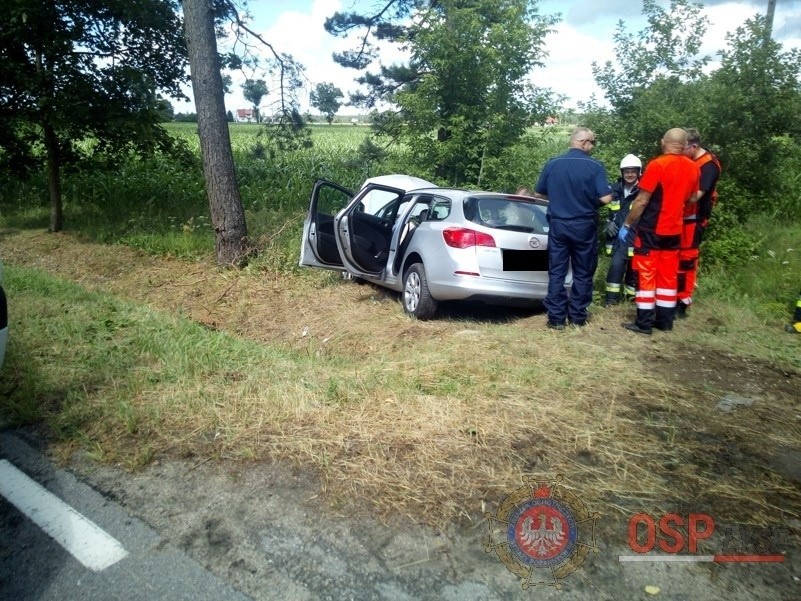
{"x": 571, "y": 242}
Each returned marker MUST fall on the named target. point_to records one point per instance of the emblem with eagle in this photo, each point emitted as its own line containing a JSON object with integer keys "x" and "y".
{"x": 544, "y": 528}
{"x": 542, "y": 540}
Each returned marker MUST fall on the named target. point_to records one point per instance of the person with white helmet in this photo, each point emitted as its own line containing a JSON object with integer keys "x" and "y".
{"x": 624, "y": 191}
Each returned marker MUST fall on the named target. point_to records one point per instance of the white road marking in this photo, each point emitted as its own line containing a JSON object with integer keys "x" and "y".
{"x": 86, "y": 541}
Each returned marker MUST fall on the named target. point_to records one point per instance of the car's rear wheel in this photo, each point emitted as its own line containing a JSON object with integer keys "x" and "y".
{"x": 417, "y": 300}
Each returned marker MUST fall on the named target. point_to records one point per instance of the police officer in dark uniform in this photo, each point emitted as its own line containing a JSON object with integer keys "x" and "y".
{"x": 575, "y": 185}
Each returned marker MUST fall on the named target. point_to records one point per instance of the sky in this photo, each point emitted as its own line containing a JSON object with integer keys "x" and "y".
{"x": 583, "y": 35}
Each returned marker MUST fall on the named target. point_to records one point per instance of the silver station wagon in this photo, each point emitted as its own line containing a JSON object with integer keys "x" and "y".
{"x": 431, "y": 244}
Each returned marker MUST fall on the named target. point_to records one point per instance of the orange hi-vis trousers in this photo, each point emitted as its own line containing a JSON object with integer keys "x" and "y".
{"x": 691, "y": 235}
{"x": 657, "y": 275}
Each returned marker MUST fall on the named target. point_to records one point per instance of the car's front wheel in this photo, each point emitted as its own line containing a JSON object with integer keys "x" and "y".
{"x": 417, "y": 300}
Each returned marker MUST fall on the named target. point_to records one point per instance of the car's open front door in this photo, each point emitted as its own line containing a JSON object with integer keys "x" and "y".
{"x": 318, "y": 247}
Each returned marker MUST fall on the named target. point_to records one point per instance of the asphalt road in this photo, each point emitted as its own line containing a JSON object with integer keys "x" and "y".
{"x": 34, "y": 566}
{"x": 259, "y": 532}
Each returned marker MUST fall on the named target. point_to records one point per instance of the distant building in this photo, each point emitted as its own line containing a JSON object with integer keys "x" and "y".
{"x": 245, "y": 115}
{"x": 551, "y": 121}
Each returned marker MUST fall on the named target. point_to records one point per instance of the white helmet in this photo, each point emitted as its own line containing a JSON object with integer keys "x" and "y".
{"x": 631, "y": 161}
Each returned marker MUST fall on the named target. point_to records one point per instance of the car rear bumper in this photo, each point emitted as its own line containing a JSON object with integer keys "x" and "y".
{"x": 466, "y": 287}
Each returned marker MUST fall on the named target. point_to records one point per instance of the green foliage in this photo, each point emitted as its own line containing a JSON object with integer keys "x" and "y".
{"x": 253, "y": 91}
{"x": 754, "y": 101}
{"x": 86, "y": 71}
{"x": 189, "y": 118}
{"x": 666, "y": 48}
{"x": 325, "y": 97}
{"x": 165, "y": 110}
{"x": 521, "y": 163}
{"x": 82, "y": 80}
{"x": 767, "y": 281}
{"x": 748, "y": 111}
{"x": 463, "y": 96}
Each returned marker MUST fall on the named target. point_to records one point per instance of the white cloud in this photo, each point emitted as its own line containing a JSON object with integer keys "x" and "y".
{"x": 568, "y": 67}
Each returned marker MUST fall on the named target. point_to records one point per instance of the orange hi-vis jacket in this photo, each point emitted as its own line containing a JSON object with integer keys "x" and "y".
{"x": 709, "y": 165}
{"x": 671, "y": 179}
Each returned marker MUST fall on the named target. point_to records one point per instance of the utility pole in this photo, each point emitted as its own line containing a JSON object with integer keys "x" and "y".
{"x": 769, "y": 19}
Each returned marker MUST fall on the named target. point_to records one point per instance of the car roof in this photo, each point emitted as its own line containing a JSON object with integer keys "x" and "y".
{"x": 402, "y": 182}
{"x": 409, "y": 183}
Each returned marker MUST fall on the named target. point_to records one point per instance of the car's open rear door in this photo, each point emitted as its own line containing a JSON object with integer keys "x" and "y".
{"x": 364, "y": 230}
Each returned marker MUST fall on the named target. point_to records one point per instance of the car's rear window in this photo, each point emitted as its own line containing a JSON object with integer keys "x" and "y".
{"x": 507, "y": 213}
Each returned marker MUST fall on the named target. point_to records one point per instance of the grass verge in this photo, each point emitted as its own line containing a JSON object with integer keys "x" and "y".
{"x": 164, "y": 358}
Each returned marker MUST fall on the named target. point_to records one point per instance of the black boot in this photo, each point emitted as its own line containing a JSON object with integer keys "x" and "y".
{"x": 637, "y": 328}
{"x": 681, "y": 310}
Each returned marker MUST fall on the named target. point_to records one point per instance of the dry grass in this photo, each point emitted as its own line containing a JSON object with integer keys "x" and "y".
{"x": 436, "y": 419}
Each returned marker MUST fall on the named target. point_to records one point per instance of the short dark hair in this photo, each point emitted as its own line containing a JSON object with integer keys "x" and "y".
{"x": 693, "y": 136}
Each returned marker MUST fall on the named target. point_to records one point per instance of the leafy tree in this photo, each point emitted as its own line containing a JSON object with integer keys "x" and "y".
{"x": 744, "y": 109}
{"x": 165, "y": 109}
{"x": 654, "y": 84}
{"x": 186, "y": 117}
{"x": 666, "y": 49}
{"x": 464, "y": 94}
{"x": 754, "y": 100}
{"x": 227, "y": 83}
{"x": 748, "y": 111}
{"x": 75, "y": 72}
{"x": 325, "y": 97}
{"x": 254, "y": 90}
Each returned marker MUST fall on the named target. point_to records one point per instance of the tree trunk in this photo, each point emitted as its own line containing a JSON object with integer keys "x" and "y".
{"x": 769, "y": 20}
{"x": 225, "y": 204}
{"x": 54, "y": 179}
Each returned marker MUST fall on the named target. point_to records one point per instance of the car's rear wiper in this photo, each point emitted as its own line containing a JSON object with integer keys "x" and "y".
{"x": 514, "y": 228}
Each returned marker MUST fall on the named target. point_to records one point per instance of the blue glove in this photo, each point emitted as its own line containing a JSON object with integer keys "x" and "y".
{"x": 623, "y": 234}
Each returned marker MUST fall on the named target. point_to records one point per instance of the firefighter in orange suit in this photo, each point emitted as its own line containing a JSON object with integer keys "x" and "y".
{"x": 696, "y": 219}
{"x": 669, "y": 182}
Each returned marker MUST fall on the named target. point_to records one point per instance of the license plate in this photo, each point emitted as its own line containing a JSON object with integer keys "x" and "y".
{"x": 525, "y": 260}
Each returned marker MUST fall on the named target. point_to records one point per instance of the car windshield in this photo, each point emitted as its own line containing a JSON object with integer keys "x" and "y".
{"x": 507, "y": 213}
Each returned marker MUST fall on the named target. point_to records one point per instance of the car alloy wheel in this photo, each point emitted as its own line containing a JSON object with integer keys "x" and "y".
{"x": 417, "y": 300}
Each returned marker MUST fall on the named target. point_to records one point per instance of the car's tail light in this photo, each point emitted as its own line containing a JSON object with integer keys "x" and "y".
{"x": 460, "y": 237}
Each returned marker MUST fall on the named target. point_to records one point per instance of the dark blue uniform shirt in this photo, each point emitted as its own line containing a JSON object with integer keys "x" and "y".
{"x": 573, "y": 183}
